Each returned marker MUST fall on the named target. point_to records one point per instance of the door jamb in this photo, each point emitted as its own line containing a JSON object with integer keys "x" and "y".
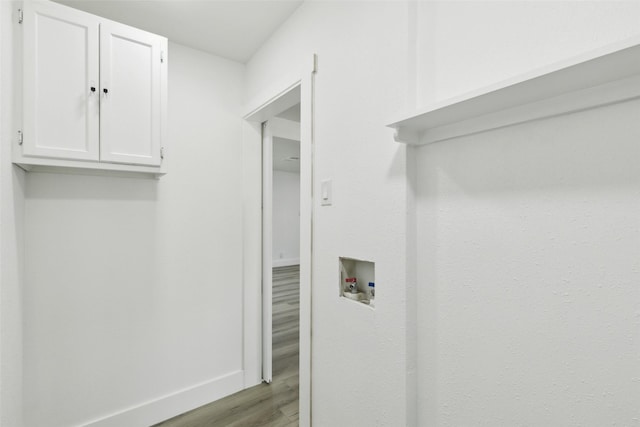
{"x": 252, "y": 226}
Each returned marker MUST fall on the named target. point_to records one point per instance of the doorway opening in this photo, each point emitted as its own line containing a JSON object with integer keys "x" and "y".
{"x": 281, "y": 248}
{"x": 276, "y": 109}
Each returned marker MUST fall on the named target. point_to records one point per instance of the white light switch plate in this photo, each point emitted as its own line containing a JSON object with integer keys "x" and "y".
{"x": 326, "y": 198}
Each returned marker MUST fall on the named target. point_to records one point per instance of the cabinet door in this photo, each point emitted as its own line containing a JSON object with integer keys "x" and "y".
{"x": 130, "y": 107}
{"x": 61, "y": 57}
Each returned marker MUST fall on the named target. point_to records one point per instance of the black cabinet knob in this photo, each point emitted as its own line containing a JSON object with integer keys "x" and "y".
{"x": 93, "y": 89}
{"x": 105, "y": 90}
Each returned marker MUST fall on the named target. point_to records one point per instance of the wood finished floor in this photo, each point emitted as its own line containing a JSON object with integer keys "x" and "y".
{"x": 275, "y": 404}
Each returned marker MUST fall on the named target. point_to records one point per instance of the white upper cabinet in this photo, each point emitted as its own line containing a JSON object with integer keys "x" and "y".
{"x": 130, "y": 90}
{"x": 94, "y": 92}
{"x": 60, "y": 69}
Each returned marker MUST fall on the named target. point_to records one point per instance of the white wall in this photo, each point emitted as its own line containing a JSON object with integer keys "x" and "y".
{"x": 11, "y": 230}
{"x": 133, "y": 291}
{"x": 528, "y": 237}
{"x": 362, "y": 59}
{"x": 466, "y": 45}
{"x": 286, "y": 218}
{"x": 526, "y": 250}
{"x": 528, "y": 266}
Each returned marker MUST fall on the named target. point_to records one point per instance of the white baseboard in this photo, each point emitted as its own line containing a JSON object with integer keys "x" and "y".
{"x": 286, "y": 262}
{"x": 169, "y": 406}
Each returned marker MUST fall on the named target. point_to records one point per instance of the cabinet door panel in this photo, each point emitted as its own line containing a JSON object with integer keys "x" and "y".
{"x": 130, "y": 114}
{"x": 61, "y": 51}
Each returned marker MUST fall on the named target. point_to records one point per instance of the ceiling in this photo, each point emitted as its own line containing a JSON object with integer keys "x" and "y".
{"x": 292, "y": 113}
{"x": 227, "y": 28}
{"x": 286, "y": 155}
{"x": 286, "y": 152}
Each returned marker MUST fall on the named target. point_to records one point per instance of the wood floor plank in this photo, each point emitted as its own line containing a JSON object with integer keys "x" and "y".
{"x": 265, "y": 405}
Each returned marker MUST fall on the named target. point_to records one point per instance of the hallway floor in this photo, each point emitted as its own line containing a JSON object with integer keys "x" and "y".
{"x": 265, "y": 405}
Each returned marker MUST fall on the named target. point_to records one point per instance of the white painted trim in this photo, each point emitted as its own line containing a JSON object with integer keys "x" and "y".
{"x": 283, "y": 128}
{"x": 35, "y": 164}
{"x": 165, "y": 407}
{"x": 601, "y": 77}
{"x": 252, "y": 251}
{"x": 267, "y": 253}
{"x": 2, "y": 126}
{"x": 307, "y": 179}
{"x": 276, "y": 104}
{"x": 286, "y": 262}
{"x": 252, "y": 221}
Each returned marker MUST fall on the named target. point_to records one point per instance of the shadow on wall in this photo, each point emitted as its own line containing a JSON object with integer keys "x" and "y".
{"x": 75, "y": 186}
{"x": 590, "y": 149}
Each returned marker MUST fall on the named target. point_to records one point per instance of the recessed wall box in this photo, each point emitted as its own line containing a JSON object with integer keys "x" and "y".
{"x": 355, "y": 277}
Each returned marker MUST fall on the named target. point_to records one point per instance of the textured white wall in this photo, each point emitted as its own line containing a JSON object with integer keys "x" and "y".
{"x": 133, "y": 287}
{"x": 528, "y": 251}
{"x": 465, "y": 45}
{"x": 528, "y": 237}
{"x": 286, "y": 218}
{"x": 11, "y": 231}
{"x": 362, "y": 60}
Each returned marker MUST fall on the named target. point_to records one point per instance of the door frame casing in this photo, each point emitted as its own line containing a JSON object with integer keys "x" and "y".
{"x": 273, "y": 128}
{"x": 267, "y": 252}
{"x": 275, "y": 100}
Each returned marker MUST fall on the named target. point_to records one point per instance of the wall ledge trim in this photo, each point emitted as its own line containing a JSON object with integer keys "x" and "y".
{"x": 601, "y": 77}
{"x": 174, "y": 404}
